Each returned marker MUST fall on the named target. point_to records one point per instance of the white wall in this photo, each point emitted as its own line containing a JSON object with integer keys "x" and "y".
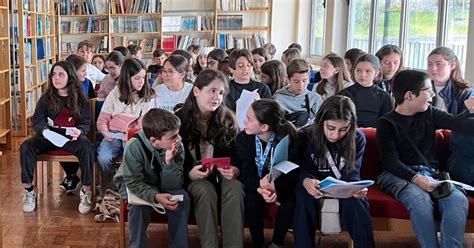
{"x": 284, "y": 24}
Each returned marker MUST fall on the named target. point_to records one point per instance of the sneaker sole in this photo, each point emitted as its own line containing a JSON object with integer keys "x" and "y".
{"x": 70, "y": 191}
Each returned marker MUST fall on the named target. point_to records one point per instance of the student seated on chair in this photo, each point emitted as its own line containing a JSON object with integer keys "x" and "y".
{"x": 208, "y": 130}
{"x": 63, "y": 105}
{"x": 152, "y": 169}
{"x": 123, "y": 108}
{"x": 72, "y": 182}
{"x": 406, "y": 140}
{"x": 332, "y": 146}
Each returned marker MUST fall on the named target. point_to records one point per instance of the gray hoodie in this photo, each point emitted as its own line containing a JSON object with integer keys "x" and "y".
{"x": 293, "y": 103}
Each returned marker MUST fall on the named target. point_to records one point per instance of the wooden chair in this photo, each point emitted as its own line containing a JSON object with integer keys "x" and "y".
{"x": 44, "y": 167}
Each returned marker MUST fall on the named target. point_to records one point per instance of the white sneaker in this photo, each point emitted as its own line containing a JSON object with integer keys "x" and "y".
{"x": 29, "y": 200}
{"x": 86, "y": 203}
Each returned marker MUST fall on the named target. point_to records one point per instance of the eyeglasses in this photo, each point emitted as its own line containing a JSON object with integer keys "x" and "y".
{"x": 429, "y": 90}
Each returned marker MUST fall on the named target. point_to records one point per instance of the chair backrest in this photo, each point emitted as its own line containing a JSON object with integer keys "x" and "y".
{"x": 131, "y": 131}
{"x": 96, "y": 106}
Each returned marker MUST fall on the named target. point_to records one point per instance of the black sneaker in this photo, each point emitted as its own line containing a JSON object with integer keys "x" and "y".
{"x": 70, "y": 184}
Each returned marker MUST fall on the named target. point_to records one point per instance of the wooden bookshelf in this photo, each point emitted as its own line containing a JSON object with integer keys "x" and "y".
{"x": 5, "y": 103}
{"x": 196, "y": 22}
{"x": 33, "y": 52}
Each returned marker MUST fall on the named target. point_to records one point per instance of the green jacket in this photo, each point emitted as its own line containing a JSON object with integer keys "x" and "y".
{"x": 138, "y": 172}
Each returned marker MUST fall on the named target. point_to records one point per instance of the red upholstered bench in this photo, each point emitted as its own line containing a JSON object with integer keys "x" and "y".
{"x": 387, "y": 213}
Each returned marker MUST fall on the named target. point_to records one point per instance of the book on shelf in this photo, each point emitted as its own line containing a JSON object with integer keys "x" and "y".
{"x": 40, "y": 48}
{"x": 85, "y": 7}
{"x": 151, "y": 25}
{"x": 232, "y": 5}
{"x": 229, "y": 22}
{"x": 171, "y": 23}
{"x": 227, "y": 41}
{"x": 169, "y": 42}
{"x": 126, "y": 24}
{"x": 186, "y": 40}
{"x": 28, "y": 72}
{"x": 28, "y": 50}
{"x": 186, "y": 23}
{"x": 135, "y": 7}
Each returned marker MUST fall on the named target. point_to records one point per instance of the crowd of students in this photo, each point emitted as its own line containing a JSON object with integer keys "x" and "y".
{"x": 185, "y": 105}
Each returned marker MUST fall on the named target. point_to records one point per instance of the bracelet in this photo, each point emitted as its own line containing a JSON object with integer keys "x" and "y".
{"x": 414, "y": 177}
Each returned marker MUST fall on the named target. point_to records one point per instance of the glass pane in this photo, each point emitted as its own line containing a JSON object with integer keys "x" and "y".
{"x": 421, "y": 35}
{"x": 458, "y": 20}
{"x": 388, "y": 23}
{"x": 317, "y": 28}
{"x": 359, "y": 24}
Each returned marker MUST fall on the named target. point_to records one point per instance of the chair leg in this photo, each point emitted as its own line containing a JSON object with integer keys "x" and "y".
{"x": 39, "y": 177}
{"x": 49, "y": 171}
{"x": 123, "y": 235}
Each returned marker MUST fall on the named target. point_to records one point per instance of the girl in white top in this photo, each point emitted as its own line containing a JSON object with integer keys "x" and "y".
{"x": 174, "y": 89}
{"x": 334, "y": 76}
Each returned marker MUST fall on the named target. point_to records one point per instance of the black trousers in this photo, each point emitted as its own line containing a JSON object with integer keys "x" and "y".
{"x": 354, "y": 215}
{"x": 32, "y": 147}
{"x": 255, "y": 213}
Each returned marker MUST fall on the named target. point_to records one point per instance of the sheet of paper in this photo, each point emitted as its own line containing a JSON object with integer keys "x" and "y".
{"x": 340, "y": 189}
{"x": 462, "y": 185}
{"x": 55, "y": 138}
{"x": 120, "y": 136}
{"x": 281, "y": 151}
{"x": 284, "y": 167}
{"x": 243, "y": 103}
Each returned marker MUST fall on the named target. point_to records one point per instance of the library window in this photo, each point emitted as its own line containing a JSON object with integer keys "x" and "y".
{"x": 318, "y": 15}
{"x": 457, "y": 27}
{"x": 388, "y": 23}
{"x": 414, "y": 21}
{"x": 359, "y": 24}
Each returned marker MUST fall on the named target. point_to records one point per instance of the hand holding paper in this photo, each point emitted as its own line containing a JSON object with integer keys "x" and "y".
{"x": 340, "y": 189}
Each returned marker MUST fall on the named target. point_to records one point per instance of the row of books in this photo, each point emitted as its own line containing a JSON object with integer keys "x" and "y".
{"x": 233, "y": 5}
{"x": 187, "y": 23}
{"x": 135, "y": 7}
{"x": 85, "y": 7}
{"x": 38, "y": 5}
{"x": 148, "y": 45}
{"x": 80, "y": 27}
{"x": 229, "y": 22}
{"x": 173, "y": 42}
{"x": 227, "y": 41}
{"x": 134, "y": 24}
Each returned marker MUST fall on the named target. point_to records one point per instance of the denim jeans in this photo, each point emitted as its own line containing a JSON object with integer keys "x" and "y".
{"x": 105, "y": 153}
{"x": 139, "y": 218}
{"x": 421, "y": 205}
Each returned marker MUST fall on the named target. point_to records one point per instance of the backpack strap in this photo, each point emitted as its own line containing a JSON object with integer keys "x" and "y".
{"x": 306, "y": 103}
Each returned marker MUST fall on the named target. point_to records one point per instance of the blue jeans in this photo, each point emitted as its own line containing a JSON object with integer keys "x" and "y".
{"x": 420, "y": 206}
{"x": 107, "y": 151}
{"x": 139, "y": 219}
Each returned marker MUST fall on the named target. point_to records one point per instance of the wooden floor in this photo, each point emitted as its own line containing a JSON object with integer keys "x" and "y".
{"x": 57, "y": 222}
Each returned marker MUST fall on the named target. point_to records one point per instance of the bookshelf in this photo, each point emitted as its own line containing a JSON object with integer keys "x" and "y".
{"x": 5, "y": 102}
{"x": 33, "y": 45}
{"x": 169, "y": 24}
{"x": 243, "y": 23}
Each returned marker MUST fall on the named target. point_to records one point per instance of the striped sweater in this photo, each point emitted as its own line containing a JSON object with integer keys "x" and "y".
{"x": 116, "y": 115}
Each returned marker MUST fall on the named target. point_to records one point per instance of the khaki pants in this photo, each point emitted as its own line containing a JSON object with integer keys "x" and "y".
{"x": 204, "y": 197}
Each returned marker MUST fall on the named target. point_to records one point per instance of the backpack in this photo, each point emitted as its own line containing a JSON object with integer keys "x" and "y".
{"x": 300, "y": 118}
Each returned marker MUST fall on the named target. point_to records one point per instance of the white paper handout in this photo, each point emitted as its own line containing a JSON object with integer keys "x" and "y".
{"x": 135, "y": 200}
{"x": 279, "y": 159}
{"x": 340, "y": 189}
{"x": 462, "y": 185}
{"x": 116, "y": 135}
{"x": 55, "y": 138}
{"x": 242, "y": 104}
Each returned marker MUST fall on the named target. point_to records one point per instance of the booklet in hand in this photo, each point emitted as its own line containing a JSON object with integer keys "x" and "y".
{"x": 279, "y": 160}
{"x": 223, "y": 162}
{"x": 340, "y": 189}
